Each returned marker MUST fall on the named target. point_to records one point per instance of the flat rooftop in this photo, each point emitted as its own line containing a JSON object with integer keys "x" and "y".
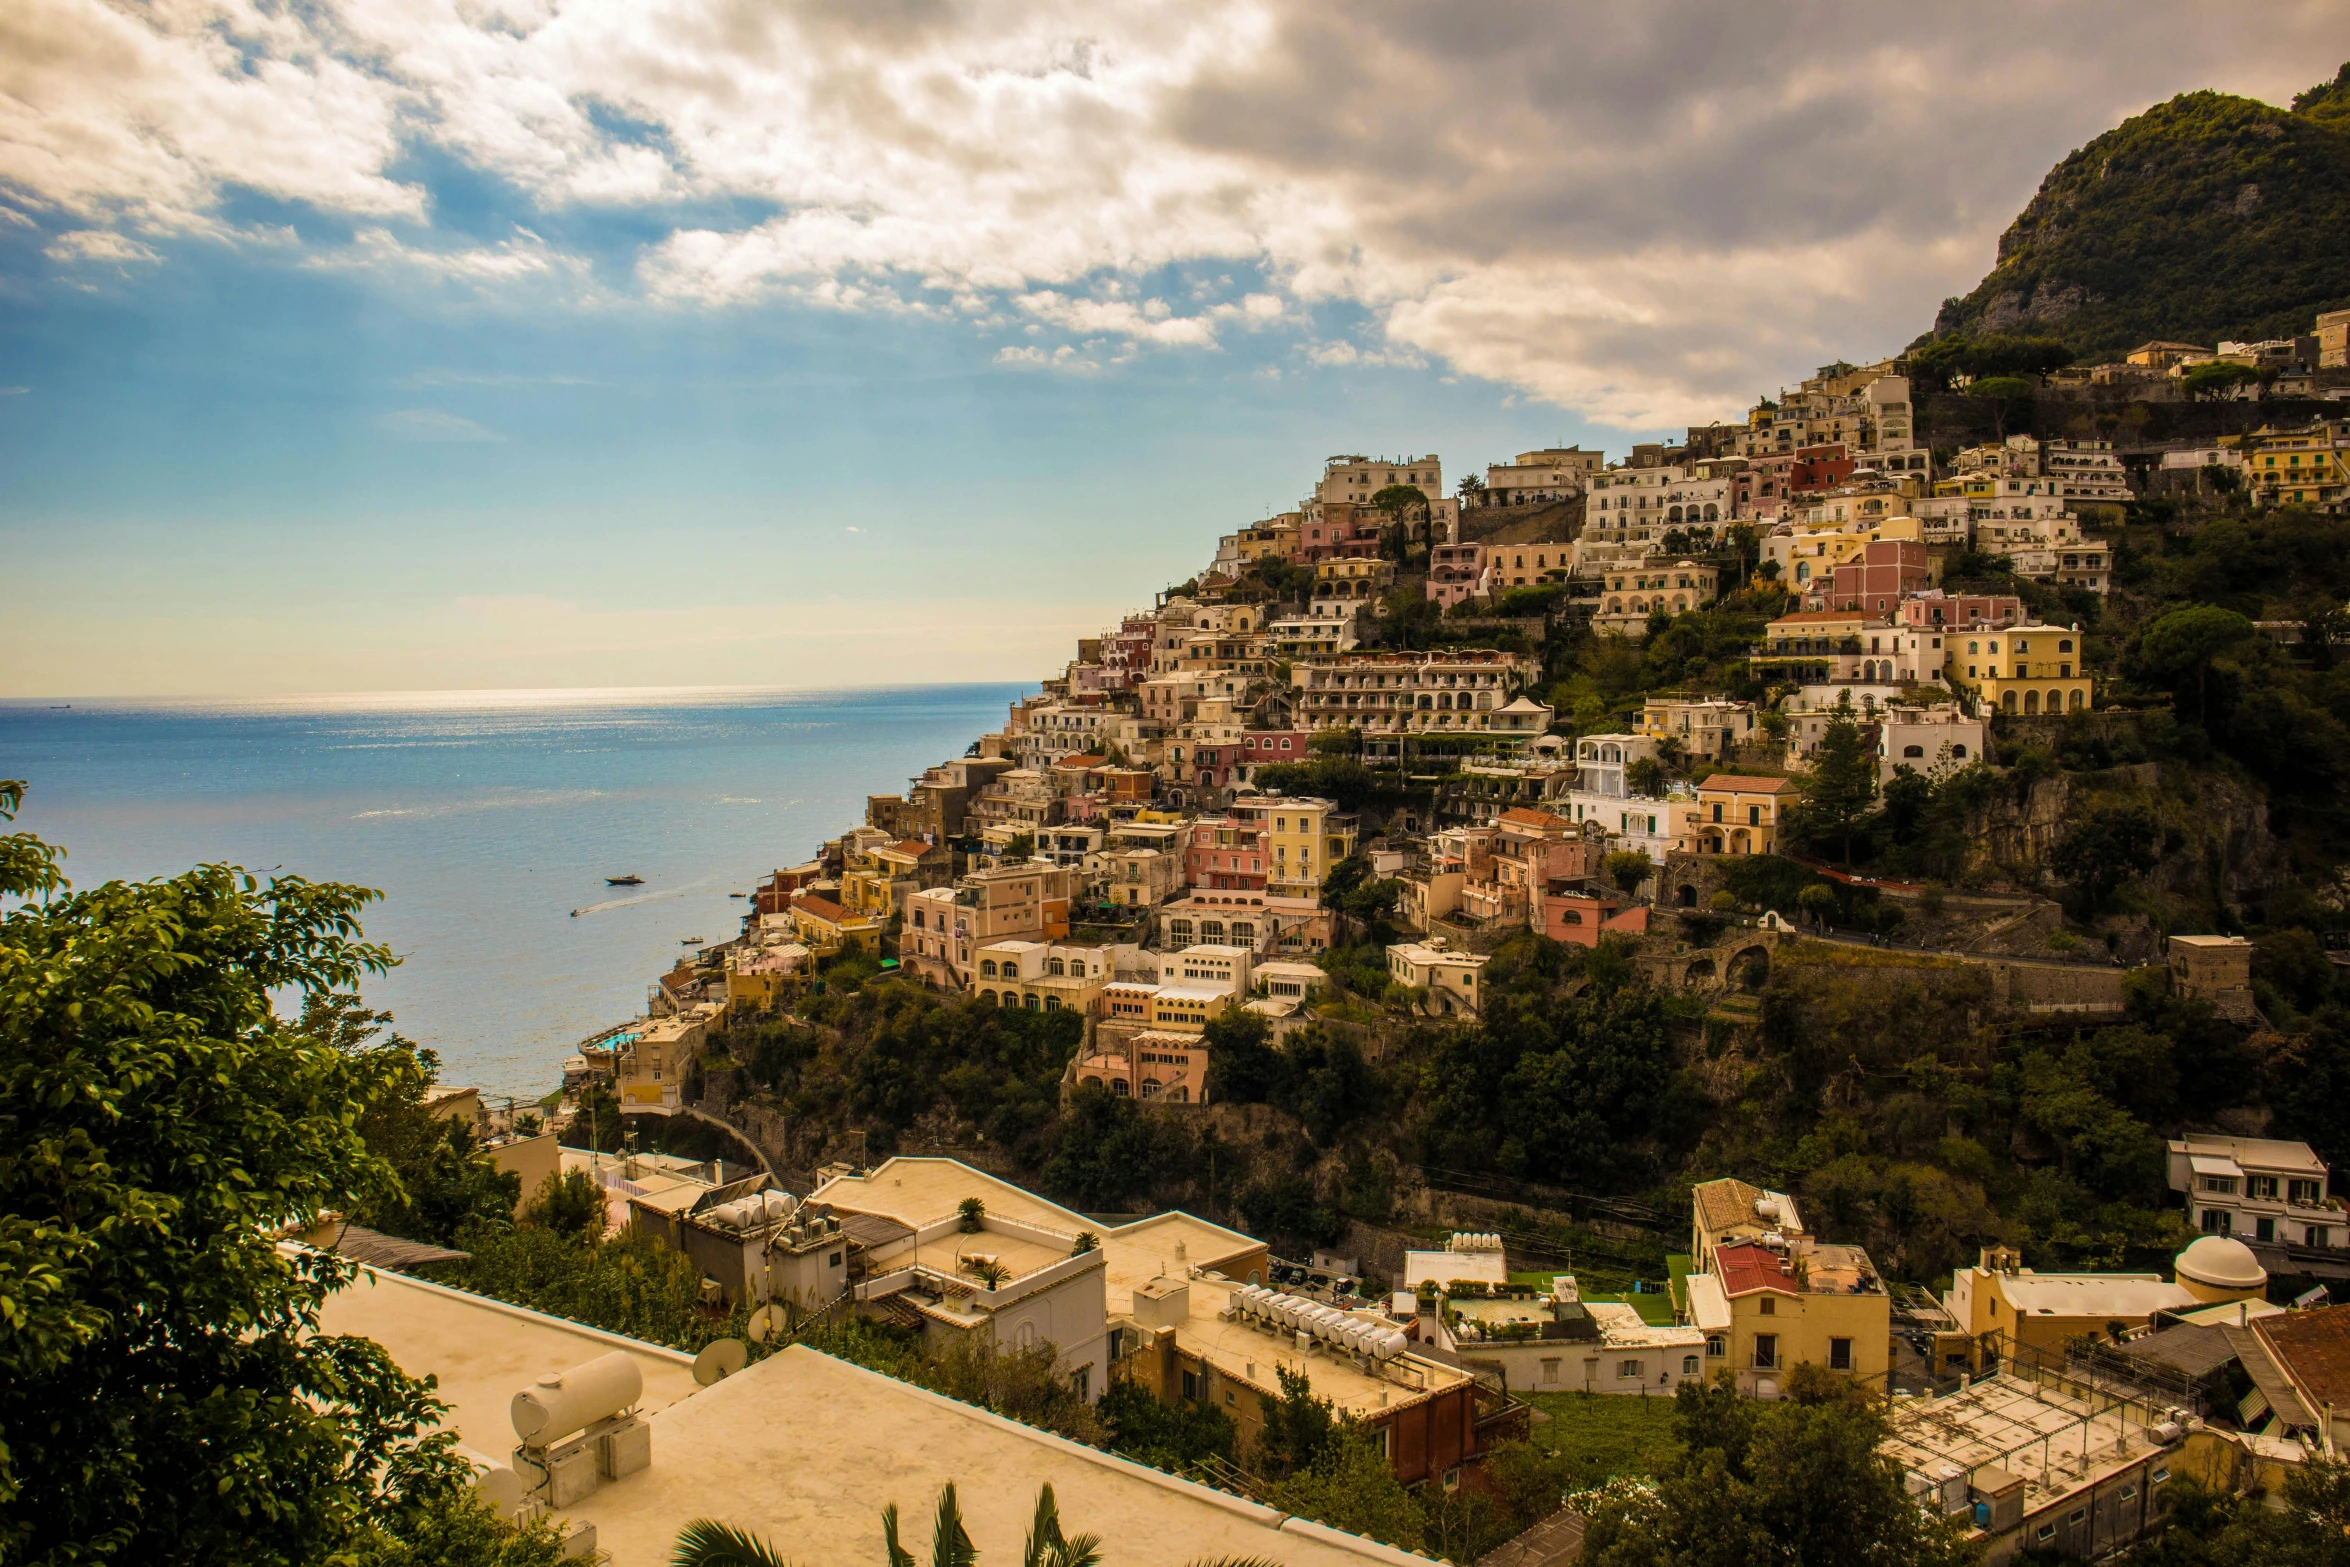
{"x": 806, "y": 1450}
{"x": 486, "y": 1351}
{"x": 2123, "y": 1295}
{"x": 1253, "y": 1356}
{"x": 2052, "y": 1440}
{"x": 917, "y": 1191}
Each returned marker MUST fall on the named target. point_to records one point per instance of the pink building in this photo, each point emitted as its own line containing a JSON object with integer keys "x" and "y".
{"x": 1888, "y": 571}
{"x": 1933, "y": 610}
{"x": 1226, "y": 854}
{"x": 1455, "y": 572}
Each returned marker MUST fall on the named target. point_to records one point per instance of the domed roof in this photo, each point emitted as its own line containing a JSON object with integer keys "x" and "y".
{"x": 2222, "y": 1262}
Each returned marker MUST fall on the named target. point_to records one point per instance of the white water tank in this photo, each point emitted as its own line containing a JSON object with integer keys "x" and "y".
{"x": 566, "y": 1401}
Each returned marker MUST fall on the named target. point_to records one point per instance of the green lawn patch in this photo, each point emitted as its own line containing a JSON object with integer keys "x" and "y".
{"x": 1604, "y": 1434}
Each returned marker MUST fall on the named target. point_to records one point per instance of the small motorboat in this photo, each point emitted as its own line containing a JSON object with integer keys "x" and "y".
{"x": 624, "y": 881}
{"x": 691, "y": 941}
{"x": 738, "y": 894}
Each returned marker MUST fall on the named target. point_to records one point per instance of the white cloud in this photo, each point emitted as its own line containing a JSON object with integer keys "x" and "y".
{"x": 1646, "y": 213}
{"x": 98, "y": 245}
{"x": 431, "y": 424}
{"x": 14, "y": 391}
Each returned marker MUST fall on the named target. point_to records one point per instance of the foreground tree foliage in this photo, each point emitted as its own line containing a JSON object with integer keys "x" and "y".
{"x": 1797, "y": 1482}
{"x": 164, "y": 1394}
{"x": 2309, "y": 1526}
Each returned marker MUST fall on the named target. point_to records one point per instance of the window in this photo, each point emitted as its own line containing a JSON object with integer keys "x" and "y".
{"x": 1768, "y": 1307}
{"x": 2129, "y": 1493}
{"x": 1716, "y": 1346}
{"x": 1191, "y": 1384}
{"x": 1839, "y": 1354}
{"x": 1688, "y": 1365}
{"x": 2047, "y": 1532}
{"x": 2218, "y": 1221}
{"x": 1766, "y": 1351}
{"x": 833, "y": 1261}
{"x": 2302, "y": 1192}
{"x": 2077, "y": 1517}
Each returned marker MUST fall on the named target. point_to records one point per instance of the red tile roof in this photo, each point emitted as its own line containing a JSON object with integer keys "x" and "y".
{"x": 2314, "y": 1349}
{"x": 909, "y": 846}
{"x": 1080, "y": 763}
{"x": 819, "y": 908}
{"x": 1741, "y": 783}
{"x": 1803, "y": 617}
{"x": 1523, "y": 817}
{"x": 1745, "y": 1269}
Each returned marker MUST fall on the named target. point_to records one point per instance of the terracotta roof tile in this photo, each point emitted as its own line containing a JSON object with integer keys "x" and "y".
{"x": 2313, "y": 1347}
{"x": 1726, "y": 1202}
{"x": 1746, "y": 1269}
{"x": 1742, "y": 783}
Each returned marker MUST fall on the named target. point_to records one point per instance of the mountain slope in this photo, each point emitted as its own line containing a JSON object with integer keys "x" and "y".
{"x": 2206, "y": 217}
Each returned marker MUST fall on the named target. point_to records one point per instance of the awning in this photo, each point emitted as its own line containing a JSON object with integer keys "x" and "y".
{"x": 2214, "y": 1164}
{"x": 378, "y": 1250}
{"x": 2269, "y": 1381}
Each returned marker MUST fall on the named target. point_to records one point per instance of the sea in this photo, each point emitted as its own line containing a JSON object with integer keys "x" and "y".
{"x": 490, "y": 821}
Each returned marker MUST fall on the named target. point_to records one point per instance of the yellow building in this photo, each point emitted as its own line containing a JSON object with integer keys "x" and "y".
{"x": 1188, "y": 1008}
{"x": 2307, "y": 467}
{"x": 1307, "y": 837}
{"x": 2024, "y": 669}
{"x": 2040, "y": 1311}
{"x": 1766, "y": 1311}
{"x": 1741, "y": 815}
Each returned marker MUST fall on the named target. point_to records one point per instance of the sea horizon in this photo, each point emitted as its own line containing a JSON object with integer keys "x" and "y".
{"x": 427, "y": 698}
{"x": 491, "y": 820}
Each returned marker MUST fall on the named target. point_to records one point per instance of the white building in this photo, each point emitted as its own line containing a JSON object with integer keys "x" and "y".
{"x": 1555, "y": 473}
{"x": 1450, "y": 977}
{"x": 2257, "y": 1189}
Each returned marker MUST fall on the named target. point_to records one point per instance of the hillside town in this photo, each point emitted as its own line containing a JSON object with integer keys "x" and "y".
{"x": 1343, "y": 728}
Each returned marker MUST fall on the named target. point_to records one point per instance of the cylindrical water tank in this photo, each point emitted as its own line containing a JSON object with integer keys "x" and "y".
{"x": 568, "y": 1401}
{"x": 496, "y": 1480}
{"x": 1390, "y": 1344}
{"x": 779, "y": 1205}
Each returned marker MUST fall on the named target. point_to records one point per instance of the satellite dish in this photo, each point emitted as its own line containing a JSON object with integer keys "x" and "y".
{"x": 720, "y": 1359}
{"x": 765, "y": 1326}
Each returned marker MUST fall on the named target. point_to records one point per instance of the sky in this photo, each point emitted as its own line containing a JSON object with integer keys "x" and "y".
{"x": 378, "y": 345}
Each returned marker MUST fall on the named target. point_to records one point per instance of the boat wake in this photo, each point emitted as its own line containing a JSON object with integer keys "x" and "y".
{"x": 666, "y": 894}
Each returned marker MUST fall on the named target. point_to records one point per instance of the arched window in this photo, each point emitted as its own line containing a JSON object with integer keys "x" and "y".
{"x": 1030, "y": 1003}
{"x": 1958, "y": 752}
{"x": 2077, "y": 701}
{"x": 1052, "y": 1003}
{"x": 2031, "y": 701}
{"x": 1053, "y": 966}
{"x": 987, "y": 967}
{"x": 1243, "y": 931}
{"x": 1119, "y": 1090}
{"x": 987, "y": 996}
{"x": 1713, "y": 514}
{"x": 2007, "y": 701}
{"x": 1913, "y": 750}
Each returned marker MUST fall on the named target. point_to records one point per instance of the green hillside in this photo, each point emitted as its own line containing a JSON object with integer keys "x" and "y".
{"x": 2206, "y": 217}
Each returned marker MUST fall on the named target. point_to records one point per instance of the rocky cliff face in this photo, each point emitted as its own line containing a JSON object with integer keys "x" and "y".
{"x": 2216, "y": 843}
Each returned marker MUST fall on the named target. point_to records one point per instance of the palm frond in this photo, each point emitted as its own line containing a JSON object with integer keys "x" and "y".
{"x": 899, "y": 1556}
{"x": 1083, "y": 1551}
{"x": 708, "y": 1543}
{"x": 950, "y": 1542}
{"x": 1044, "y": 1533}
{"x": 1231, "y": 1561}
